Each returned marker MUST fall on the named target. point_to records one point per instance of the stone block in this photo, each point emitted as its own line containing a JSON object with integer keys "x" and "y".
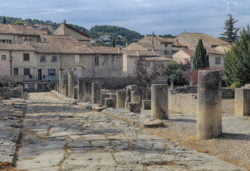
{"x": 134, "y": 107}
{"x": 209, "y": 119}
{"x": 110, "y": 102}
{"x": 146, "y": 104}
{"x": 242, "y": 102}
{"x": 159, "y": 101}
{"x": 120, "y": 98}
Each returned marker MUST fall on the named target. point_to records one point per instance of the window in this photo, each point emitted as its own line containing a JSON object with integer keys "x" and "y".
{"x": 54, "y": 59}
{"x": 26, "y": 71}
{"x": 77, "y": 58}
{"x": 96, "y": 61}
{"x": 15, "y": 71}
{"x": 217, "y": 60}
{"x": 51, "y": 72}
{"x": 3, "y": 57}
{"x": 42, "y": 58}
{"x": 26, "y": 57}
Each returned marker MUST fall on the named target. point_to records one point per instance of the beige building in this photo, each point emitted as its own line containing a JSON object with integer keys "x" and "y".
{"x": 40, "y": 57}
{"x": 216, "y": 58}
{"x": 67, "y": 30}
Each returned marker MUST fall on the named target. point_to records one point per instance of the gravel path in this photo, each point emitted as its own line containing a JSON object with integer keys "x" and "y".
{"x": 62, "y": 136}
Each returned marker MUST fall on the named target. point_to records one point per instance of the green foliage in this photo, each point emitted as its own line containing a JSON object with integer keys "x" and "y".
{"x": 19, "y": 22}
{"x": 230, "y": 33}
{"x": 120, "y": 34}
{"x": 237, "y": 60}
{"x": 4, "y": 20}
{"x": 200, "y": 59}
{"x": 174, "y": 71}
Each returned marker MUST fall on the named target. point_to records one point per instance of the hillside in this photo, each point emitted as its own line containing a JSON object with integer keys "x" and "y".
{"x": 101, "y": 35}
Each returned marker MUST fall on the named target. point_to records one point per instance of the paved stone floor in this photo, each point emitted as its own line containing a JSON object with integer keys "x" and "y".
{"x": 62, "y": 136}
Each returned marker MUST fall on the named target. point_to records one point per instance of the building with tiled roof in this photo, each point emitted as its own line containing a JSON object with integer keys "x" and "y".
{"x": 38, "y": 56}
{"x": 191, "y": 39}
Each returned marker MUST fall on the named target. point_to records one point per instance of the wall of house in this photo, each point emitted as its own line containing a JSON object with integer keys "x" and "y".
{"x": 212, "y": 59}
{"x": 19, "y": 63}
{"x": 181, "y": 57}
{"x": 129, "y": 64}
{"x": 5, "y": 64}
{"x": 64, "y": 30}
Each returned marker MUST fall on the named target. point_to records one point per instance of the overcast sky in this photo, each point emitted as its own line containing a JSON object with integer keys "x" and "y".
{"x": 144, "y": 16}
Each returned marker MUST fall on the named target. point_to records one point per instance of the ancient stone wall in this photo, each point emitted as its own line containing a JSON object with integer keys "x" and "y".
{"x": 7, "y": 93}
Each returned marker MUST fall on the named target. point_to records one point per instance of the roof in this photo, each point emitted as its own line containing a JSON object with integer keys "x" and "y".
{"x": 191, "y": 39}
{"x": 17, "y": 46}
{"x": 20, "y": 30}
{"x": 160, "y": 58}
{"x": 62, "y": 26}
{"x": 60, "y": 44}
{"x": 142, "y": 53}
{"x": 106, "y": 50}
{"x": 191, "y": 52}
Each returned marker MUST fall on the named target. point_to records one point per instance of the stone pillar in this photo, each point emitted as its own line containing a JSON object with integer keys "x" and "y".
{"x": 80, "y": 89}
{"x": 96, "y": 92}
{"x": 120, "y": 98}
{"x": 70, "y": 84}
{"x": 242, "y": 102}
{"x": 159, "y": 101}
{"x": 61, "y": 81}
{"x": 209, "y": 124}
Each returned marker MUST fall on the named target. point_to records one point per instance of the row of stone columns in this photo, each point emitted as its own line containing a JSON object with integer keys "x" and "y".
{"x": 209, "y": 119}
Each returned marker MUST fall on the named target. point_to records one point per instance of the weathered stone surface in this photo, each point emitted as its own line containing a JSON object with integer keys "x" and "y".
{"x": 159, "y": 101}
{"x": 110, "y": 102}
{"x": 61, "y": 136}
{"x": 134, "y": 107}
{"x": 146, "y": 104}
{"x": 242, "y": 102}
{"x": 96, "y": 92}
{"x": 121, "y": 98}
{"x": 70, "y": 84}
{"x": 209, "y": 118}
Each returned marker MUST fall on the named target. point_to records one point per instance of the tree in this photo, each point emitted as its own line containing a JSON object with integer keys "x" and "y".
{"x": 113, "y": 42}
{"x": 201, "y": 59}
{"x": 174, "y": 72}
{"x": 19, "y": 22}
{"x": 4, "y": 20}
{"x": 145, "y": 73}
{"x": 237, "y": 60}
{"x": 230, "y": 33}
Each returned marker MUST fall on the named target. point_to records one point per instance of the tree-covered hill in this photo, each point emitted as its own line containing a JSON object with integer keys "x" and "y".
{"x": 102, "y": 35}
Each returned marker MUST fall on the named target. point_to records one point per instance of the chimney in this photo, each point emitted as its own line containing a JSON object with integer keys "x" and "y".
{"x": 64, "y": 21}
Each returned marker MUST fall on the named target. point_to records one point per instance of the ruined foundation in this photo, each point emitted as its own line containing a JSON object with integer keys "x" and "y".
{"x": 120, "y": 98}
{"x": 242, "y": 102}
{"x": 209, "y": 123}
{"x": 96, "y": 92}
{"x": 159, "y": 101}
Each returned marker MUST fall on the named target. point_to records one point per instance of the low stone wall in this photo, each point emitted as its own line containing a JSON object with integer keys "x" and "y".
{"x": 39, "y": 86}
{"x": 7, "y": 93}
{"x": 185, "y": 103}
{"x": 113, "y": 82}
{"x": 10, "y": 81}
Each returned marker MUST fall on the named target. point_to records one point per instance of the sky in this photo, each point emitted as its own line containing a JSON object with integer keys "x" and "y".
{"x": 143, "y": 16}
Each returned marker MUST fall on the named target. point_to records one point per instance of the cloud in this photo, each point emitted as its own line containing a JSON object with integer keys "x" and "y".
{"x": 144, "y": 16}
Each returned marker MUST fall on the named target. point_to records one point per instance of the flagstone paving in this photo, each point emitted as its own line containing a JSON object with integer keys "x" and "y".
{"x": 61, "y": 136}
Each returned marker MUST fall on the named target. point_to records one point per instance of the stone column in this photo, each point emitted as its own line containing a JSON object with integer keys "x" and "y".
{"x": 209, "y": 124}
{"x": 159, "y": 101}
{"x": 96, "y": 92}
{"x": 61, "y": 81}
{"x": 242, "y": 102}
{"x": 80, "y": 89}
{"x": 120, "y": 98}
{"x": 70, "y": 84}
